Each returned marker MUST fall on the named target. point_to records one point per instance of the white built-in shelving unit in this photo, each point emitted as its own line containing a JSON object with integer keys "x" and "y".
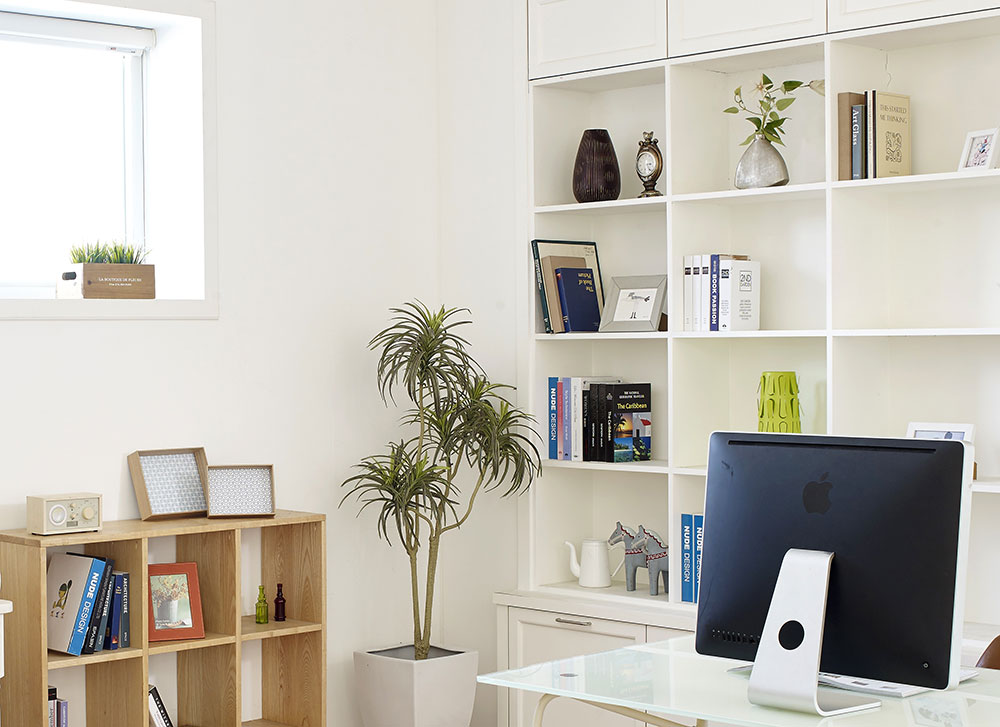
{"x": 882, "y": 294}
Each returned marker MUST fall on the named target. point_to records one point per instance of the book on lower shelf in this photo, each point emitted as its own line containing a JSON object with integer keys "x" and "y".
{"x": 722, "y": 293}
{"x": 157, "y": 712}
{"x": 87, "y": 604}
{"x": 692, "y": 539}
{"x": 58, "y": 709}
{"x": 599, "y": 419}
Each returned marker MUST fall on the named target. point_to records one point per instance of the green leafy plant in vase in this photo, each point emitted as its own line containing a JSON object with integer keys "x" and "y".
{"x": 761, "y": 164}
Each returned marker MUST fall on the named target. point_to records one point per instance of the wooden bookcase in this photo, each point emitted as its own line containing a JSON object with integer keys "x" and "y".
{"x": 293, "y": 653}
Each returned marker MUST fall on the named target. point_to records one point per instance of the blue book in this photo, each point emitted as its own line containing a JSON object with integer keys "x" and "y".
{"x": 713, "y": 294}
{"x": 578, "y": 297}
{"x": 112, "y": 636}
{"x": 104, "y": 598}
{"x": 567, "y": 420}
{"x": 553, "y": 418}
{"x": 87, "y": 606}
{"x": 687, "y": 558}
{"x": 699, "y": 539}
{"x": 63, "y": 707}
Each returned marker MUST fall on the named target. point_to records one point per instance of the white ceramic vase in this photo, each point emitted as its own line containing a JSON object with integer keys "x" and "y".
{"x": 395, "y": 690}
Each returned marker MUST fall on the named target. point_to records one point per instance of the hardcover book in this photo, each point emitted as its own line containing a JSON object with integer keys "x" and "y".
{"x": 699, "y": 539}
{"x": 892, "y": 134}
{"x": 630, "y": 423}
{"x": 102, "y": 615}
{"x": 578, "y": 298}
{"x": 564, "y": 248}
{"x": 739, "y": 300}
{"x": 565, "y": 434}
{"x": 157, "y": 711}
{"x": 553, "y": 418}
{"x": 706, "y": 290}
{"x": 112, "y": 635}
{"x": 859, "y": 146}
{"x": 688, "y": 293}
{"x": 687, "y": 558}
{"x": 560, "y": 414}
{"x": 125, "y": 639}
{"x": 846, "y": 131}
{"x": 696, "y": 292}
{"x": 550, "y": 263}
{"x": 71, "y": 583}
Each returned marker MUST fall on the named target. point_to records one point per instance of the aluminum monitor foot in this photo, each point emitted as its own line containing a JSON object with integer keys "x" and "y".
{"x": 786, "y": 669}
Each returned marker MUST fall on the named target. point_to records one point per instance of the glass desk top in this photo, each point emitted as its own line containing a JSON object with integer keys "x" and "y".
{"x": 669, "y": 678}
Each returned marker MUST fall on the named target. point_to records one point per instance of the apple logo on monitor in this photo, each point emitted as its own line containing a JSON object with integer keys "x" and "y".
{"x": 816, "y": 495}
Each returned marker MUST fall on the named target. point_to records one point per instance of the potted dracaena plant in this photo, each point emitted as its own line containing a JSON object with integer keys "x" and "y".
{"x": 461, "y": 437}
{"x": 108, "y": 270}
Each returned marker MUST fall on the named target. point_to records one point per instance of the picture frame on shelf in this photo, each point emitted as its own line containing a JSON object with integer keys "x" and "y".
{"x": 169, "y": 482}
{"x": 635, "y": 303}
{"x": 240, "y": 491}
{"x": 980, "y": 150}
{"x": 174, "y": 602}
{"x": 939, "y": 430}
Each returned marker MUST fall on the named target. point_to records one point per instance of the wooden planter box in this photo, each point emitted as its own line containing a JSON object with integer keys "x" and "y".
{"x": 104, "y": 280}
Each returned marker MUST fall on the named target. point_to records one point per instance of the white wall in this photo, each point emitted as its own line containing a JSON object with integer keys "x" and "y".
{"x": 477, "y": 40}
{"x": 344, "y": 188}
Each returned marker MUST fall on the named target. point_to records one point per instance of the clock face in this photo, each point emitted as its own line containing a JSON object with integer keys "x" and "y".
{"x": 645, "y": 164}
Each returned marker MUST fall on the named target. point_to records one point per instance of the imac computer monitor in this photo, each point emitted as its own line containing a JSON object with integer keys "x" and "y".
{"x": 895, "y": 515}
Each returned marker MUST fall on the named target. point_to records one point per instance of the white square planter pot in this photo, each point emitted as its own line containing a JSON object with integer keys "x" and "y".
{"x": 395, "y": 690}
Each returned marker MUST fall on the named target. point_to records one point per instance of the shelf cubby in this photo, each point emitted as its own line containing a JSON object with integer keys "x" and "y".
{"x": 705, "y": 143}
{"x": 715, "y": 387}
{"x": 786, "y": 234}
{"x": 625, "y": 102}
{"x": 207, "y": 687}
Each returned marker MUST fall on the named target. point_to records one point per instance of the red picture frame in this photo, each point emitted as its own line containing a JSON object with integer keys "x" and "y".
{"x": 174, "y": 602}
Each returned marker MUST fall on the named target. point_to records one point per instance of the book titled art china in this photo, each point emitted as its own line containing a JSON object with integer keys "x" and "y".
{"x": 630, "y": 423}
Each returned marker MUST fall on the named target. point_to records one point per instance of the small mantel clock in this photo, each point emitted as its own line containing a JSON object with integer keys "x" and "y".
{"x": 649, "y": 164}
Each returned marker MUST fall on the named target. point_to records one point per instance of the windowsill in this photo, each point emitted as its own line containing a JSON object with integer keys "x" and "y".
{"x": 61, "y": 310}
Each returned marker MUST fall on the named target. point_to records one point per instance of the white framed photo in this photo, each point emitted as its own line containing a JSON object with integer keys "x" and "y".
{"x": 941, "y": 430}
{"x": 980, "y": 150}
{"x": 635, "y": 303}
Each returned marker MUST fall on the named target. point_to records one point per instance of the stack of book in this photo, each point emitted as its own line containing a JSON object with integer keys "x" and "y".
{"x": 158, "y": 716}
{"x": 721, "y": 293}
{"x": 568, "y": 279}
{"x": 88, "y": 604}
{"x": 692, "y": 532}
{"x": 58, "y": 709}
{"x": 874, "y": 135}
{"x": 599, "y": 419}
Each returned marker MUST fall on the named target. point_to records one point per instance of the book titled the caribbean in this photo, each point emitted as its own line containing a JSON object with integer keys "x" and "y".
{"x": 892, "y": 134}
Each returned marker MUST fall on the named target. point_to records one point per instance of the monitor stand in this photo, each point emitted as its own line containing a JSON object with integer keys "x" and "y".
{"x": 786, "y": 668}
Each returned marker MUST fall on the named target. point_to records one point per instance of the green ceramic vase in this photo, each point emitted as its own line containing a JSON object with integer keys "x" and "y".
{"x": 778, "y": 402}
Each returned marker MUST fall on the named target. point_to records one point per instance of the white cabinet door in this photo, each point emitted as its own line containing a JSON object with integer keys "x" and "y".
{"x": 696, "y": 26}
{"x": 565, "y": 36}
{"x": 539, "y": 636}
{"x": 849, "y": 14}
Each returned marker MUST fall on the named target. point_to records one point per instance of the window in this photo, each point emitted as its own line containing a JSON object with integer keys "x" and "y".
{"x": 107, "y": 132}
{"x": 70, "y": 144}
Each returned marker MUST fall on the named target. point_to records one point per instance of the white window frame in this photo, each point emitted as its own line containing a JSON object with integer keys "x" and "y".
{"x": 134, "y": 28}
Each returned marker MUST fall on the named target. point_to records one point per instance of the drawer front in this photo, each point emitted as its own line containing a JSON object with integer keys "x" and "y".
{"x": 566, "y": 36}
{"x": 539, "y": 636}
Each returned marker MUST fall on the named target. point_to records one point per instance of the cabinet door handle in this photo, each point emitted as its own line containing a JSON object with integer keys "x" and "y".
{"x": 573, "y": 623}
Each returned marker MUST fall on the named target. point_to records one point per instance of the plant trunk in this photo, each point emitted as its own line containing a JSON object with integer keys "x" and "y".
{"x": 415, "y": 596}
{"x": 423, "y": 646}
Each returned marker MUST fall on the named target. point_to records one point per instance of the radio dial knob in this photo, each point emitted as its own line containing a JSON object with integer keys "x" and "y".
{"x": 88, "y": 513}
{"x": 57, "y": 515}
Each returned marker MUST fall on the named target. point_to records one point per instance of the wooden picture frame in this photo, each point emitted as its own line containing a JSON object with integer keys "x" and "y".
{"x": 635, "y": 303}
{"x": 174, "y": 611}
{"x": 169, "y": 482}
{"x": 240, "y": 490}
{"x": 980, "y": 158}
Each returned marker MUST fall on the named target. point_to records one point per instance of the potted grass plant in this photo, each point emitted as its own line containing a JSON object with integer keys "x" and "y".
{"x": 460, "y": 438}
{"x": 108, "y": 270}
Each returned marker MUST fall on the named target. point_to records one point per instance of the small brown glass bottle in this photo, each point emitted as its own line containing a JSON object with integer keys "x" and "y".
{"x": 279, "y": 606}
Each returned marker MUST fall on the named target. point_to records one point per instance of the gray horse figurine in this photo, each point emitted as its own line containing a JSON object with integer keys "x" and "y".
{"x": 656, "y": 559}
{"x": 635, "y": 556}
